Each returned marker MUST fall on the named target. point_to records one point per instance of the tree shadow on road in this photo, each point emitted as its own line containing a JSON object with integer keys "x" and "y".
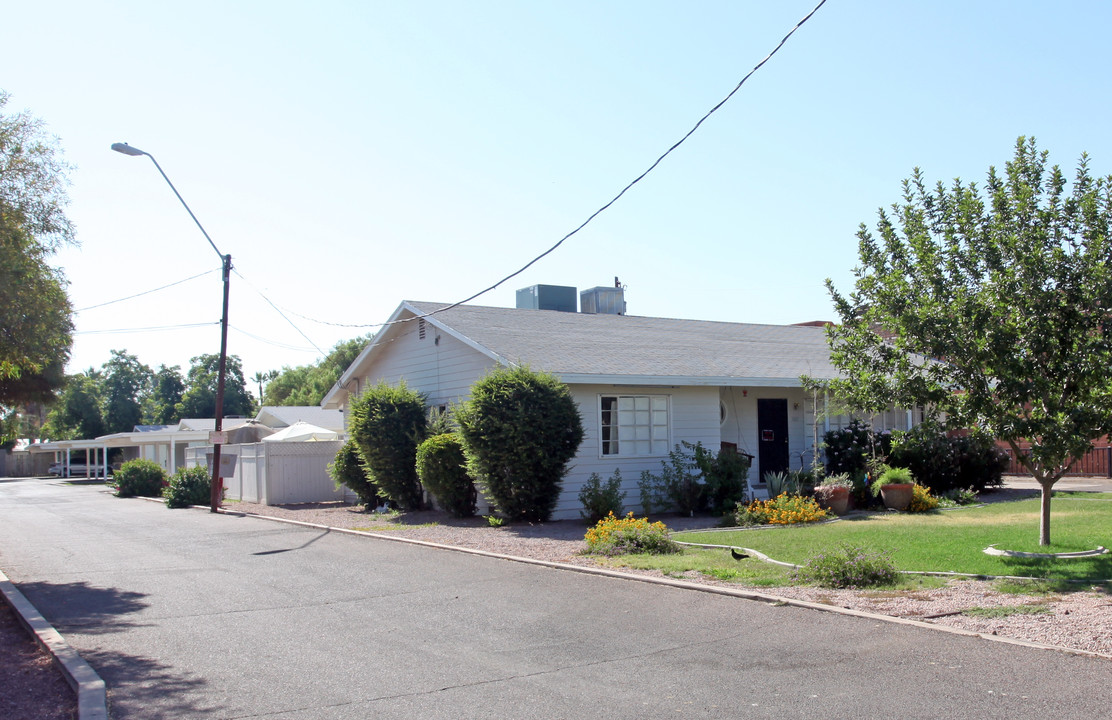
{"x": 81, "y": 606}
{"x": 143, "y": 687}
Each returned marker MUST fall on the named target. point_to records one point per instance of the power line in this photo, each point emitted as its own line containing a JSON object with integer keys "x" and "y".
{"x": 156, "y": 328}
{"x": 602, "y": 209}
{"x": 147, "y": 292}
{"x": 275, "y": 343}
{"x": 277, "y": 310}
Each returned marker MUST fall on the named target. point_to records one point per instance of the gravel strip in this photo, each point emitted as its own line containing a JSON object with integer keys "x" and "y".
{"x": 1080, "y": 620}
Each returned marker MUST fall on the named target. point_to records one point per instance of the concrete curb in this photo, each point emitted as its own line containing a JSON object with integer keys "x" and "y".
{"x": 92, "y": 696}
{"x": 685, "y": 585}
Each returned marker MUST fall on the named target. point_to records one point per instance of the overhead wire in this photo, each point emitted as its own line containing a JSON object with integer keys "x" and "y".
{"x": 147, "y": 292}
{"x": 154, "y": 328}
{"x": 277, "y": 310}
{"x": 602, "y": 209}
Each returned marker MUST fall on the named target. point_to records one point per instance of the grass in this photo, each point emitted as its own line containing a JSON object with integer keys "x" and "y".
{"x": 1007, "y": 610}
{"x": 952, "y": 541}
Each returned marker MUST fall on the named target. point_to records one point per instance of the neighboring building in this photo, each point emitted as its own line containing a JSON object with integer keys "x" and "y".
{"x": 642, "y": 384}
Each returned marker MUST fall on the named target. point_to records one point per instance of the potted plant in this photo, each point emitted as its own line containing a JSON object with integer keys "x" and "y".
{"x": 895, "y": 488}
{"x": 833, "y": 493}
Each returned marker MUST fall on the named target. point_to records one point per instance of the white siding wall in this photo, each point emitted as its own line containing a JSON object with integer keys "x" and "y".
{"x": 443, "y": 370}
{"x": 693, "y": 414}
{"x": 740, "y": 425}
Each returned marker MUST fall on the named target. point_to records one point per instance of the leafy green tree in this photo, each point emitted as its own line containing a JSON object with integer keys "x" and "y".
{"x": 520, "y": 429}
{"x": 992, "y": 309}
{"x": 387, "y": 423}
{"x": 126, "y": 384}
{"x": 167, "y": 388}
{"x": 35, "y": 313}
{"x": 308, "y": 384}
{"x": 77, "y": 413}
{"x": 199, "y": 398}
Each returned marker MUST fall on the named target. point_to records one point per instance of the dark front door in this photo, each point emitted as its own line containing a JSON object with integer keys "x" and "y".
{"x": 772, "y": 435}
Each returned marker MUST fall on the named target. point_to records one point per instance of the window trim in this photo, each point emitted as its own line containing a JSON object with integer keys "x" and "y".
{"x": 667, "y": 426}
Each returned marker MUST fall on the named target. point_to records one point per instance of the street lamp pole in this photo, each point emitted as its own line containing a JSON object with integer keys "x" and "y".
{"x": 226, "y": 261}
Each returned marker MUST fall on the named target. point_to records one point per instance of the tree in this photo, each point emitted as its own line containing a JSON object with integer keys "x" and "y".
{"x": 992, "y": 311}
{"x": 263, "y": 377}
{"x": 520, "y": 429}
{"x": 77, "y": 413}
{"x": 35, "y": 313}
{"x": 161, "y": 406}
{"x": 199, "y": 398}
{"x": 126, "y": 384}
{"x": 308, "y": 384}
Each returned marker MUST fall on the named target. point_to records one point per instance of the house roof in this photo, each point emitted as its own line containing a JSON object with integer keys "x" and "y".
{"x": 281, "y": 416}
{"x": 622, "y": 349}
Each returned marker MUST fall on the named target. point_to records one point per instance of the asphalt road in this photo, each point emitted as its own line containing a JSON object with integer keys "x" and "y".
{"x": 188, "y": 614}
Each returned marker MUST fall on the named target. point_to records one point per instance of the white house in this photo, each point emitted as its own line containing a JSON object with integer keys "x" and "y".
{"x": 642, "y": 384}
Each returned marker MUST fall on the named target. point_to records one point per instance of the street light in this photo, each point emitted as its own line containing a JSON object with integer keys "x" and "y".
{"x": 226, "y": 260}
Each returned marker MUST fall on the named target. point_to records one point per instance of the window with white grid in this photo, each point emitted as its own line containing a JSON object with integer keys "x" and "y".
{"x": 633, "y": 425}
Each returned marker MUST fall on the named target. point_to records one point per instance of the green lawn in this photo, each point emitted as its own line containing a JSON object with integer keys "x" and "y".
{"x": 949, "y": 541}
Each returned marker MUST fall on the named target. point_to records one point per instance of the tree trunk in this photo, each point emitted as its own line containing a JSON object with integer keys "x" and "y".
{"x": 1044, "y": 515}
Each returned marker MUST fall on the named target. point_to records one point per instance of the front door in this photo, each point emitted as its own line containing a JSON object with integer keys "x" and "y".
{"x": 772, "y": 435}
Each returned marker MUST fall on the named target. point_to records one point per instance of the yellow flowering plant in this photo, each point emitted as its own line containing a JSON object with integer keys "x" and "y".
{"x": 614, "y": 535}
{"x": 784, "y": 509}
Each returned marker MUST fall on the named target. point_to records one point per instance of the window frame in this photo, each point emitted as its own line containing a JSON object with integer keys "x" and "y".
{"x": 652, "y": 427}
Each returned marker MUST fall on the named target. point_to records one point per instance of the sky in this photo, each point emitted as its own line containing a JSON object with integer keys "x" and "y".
{"x": 352, "y": 155}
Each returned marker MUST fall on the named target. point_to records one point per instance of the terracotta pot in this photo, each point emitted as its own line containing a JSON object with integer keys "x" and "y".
{"x": 896, "y": 496}
{"x": 835, "y": 499}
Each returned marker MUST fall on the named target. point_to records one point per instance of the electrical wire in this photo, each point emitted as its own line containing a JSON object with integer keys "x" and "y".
{"x": 279, "y": 311}
{"x": 147, "y": 292}
{"x": 156, "y": 328}
{"x": 275, "y": 343}
{"x": 602, "y": 209}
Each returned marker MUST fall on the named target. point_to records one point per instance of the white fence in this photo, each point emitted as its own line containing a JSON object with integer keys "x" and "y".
{"x": 278, "y": 473}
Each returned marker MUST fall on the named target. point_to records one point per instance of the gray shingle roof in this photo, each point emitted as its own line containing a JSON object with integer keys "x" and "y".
{"x": 626, "y": 349}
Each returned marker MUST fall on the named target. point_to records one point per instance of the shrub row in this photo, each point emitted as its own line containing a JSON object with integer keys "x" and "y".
{"x": 938, "y": 460}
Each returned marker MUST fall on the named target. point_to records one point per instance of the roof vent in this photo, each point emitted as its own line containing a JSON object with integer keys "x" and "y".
{"x": 603, "y": 301}
{"x": 547, "y": 297}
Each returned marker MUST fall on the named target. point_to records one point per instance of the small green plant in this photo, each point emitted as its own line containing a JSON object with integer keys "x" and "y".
{"x": 779, "y": 483}
{"x": 347, "y": 471}
{"x": 600, "y": 500}
{"x": 494, "y": 521}
{"x": 839, "y": 480}
{"x": 188, "y": 486}
{"x": 144, "y": 478}
{"x": 962, "y": 496}
{"x": 848, "y": 567}
{"x": 621, "y": 536}
{"x": 891, "y": 476}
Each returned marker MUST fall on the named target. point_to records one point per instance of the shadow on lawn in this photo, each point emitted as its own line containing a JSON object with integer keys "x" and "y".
{"x": 1096, "y": 570}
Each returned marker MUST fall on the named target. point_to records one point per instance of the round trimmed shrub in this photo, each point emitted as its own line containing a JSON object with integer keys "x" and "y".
{"x": 442, "y": 467}
{"x": 387, "y": 423}
{"x": 189, "y": 486}
{"x": 520, "y": 429}
{"x": 347, "y": 471}
{"x": 144, "y": 478}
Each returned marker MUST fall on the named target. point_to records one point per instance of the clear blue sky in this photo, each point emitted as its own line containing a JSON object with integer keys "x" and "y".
{"x": 352, "y": 155}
